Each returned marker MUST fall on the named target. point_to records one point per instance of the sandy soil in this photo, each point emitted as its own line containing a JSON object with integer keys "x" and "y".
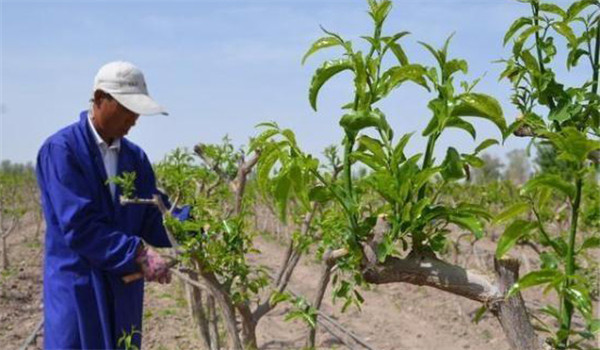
{"x": 395, "y": 316}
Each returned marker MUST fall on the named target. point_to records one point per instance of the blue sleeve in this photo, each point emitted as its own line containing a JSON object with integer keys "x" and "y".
{"x": 86, "y": 227}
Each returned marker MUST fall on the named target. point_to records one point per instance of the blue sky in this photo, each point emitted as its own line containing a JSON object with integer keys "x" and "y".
{"x": 221, "y": 67}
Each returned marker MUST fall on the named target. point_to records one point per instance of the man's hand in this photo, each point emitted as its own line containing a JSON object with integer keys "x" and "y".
{"x": 153, "y": 266}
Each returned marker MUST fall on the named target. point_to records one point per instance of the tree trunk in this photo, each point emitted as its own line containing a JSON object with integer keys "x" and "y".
{"x": 248, "y": 328}
{"x": 224, "y": 301}
{"x": 213, "y": 323}
{"x": 197, "y": 311}
{"x": 511, "y": 312}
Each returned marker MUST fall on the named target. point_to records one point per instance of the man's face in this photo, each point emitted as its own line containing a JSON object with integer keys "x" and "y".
{"x": 111, "y": 119}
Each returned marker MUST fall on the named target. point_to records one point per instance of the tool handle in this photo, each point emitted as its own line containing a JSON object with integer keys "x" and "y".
{"x": 139, "y": 275}
{"x": 132, "y": 277}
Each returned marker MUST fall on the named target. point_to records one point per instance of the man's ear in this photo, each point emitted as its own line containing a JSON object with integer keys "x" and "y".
{"x": 98, "y": 96}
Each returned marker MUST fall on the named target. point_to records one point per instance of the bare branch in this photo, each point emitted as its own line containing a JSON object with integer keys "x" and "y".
{"x": 430, "y": 271}
{"x": 238, "y": 186}
{"x": 527, "y": 131}
{"x": 199, "y": 150}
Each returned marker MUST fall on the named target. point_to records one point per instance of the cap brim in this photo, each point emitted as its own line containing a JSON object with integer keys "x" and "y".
{"x": 140, "y": 104}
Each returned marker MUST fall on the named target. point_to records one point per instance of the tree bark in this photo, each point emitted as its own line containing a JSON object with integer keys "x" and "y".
{"x": 197, "y": 311}
{"x": 213, "y": 323}
{"x": 248, "y": 328}
{"x": 512, "y": 313}
{"x": 321, "y": 288}
{"x": 427, "y": 270}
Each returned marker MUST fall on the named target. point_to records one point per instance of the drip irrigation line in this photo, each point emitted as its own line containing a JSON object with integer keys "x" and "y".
{"x": 33, "y": 334}
{"x": 336, "y": 324}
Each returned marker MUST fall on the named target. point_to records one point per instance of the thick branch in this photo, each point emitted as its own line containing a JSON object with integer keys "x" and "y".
{"x": 238, "y": 186}
{"x": 329, "y": 260}
{"x": 527, "y": 131}
{"x": 430, "y": 271}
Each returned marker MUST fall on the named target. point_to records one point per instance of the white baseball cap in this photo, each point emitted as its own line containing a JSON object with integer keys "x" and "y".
{"x": 126, "y": 84}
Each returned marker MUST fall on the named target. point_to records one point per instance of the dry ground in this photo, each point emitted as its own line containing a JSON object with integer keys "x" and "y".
{"x": 398, "y": 316}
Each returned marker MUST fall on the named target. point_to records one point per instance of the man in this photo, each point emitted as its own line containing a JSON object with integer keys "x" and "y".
{"x": 91, "y": 240}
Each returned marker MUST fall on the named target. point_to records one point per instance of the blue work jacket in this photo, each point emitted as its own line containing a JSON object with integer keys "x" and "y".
{"x": 91, "y": 241}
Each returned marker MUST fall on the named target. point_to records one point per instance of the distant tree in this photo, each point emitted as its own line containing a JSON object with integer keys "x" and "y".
{"x": 490, "y": 171}
{"x": 519, "y": 169}
{"x": 546, "y": 161}
{"x": 8, "y": 167}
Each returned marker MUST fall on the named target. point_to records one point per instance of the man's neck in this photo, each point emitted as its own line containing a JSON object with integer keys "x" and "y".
{"x": 108, "y": 140}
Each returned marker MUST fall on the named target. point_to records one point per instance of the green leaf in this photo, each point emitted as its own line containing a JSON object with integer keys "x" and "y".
{"x": 290, "y": 136}
{"x": 563, "y": 29}
{"x": 367, "y": 159}
{"x": 551, "y": 311}
{"x": 399, "y": 53}
{"x": 277, "y": 298}
{"x": 473, "y": 161}
{"x": 395, "y": 76}
{"x": 480, "y": 105}
{"x": 530, "y": 62}
{"x": 552, "y": 181}
{"x": 319, "y": 194}
{"x": 485, "y": 144}
{"x": 479, "y": 314}
{"x": 473, "y": 209}
{"x": 552, "y": 8}
{"x": 518, "y": 24}
{"x": 594, "y": 326}
{"x": 360, "y": 79}
{"x": 265, "y": 165}
{"x": 560, "y": 114}
{"x": 461, "y": 124}
{"x": 580, "y": 297}
{"x": 454, "y": 66}
{"x": 523, "y": 38}
{"x": 511, "y": 235}
{"x": 424, "y": 176}
{"x": 579, "y": 6}
{"x": 572, "y": 144}
{"x": 549, "y": 260}
{"x": 355, "y": 121}
{"x": 417, "y": 209}
{"x": 590, "y": 242}
{"x": 574, "y": 56}
{"x": 391, "y": 44}
{"x": 323, "y": 74}
{"x": 321, "y": 43}
{"x": 399, "y": 149}
{"x": 452, "y": 166}
{"x": 469, "y": 223}
{"x": 282, "y": 193}
{"x": 439, "y": 56}
{"x": 511, "y": 212}
{"x": 373, "y": 145}
{"x": 533, "y": 279}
